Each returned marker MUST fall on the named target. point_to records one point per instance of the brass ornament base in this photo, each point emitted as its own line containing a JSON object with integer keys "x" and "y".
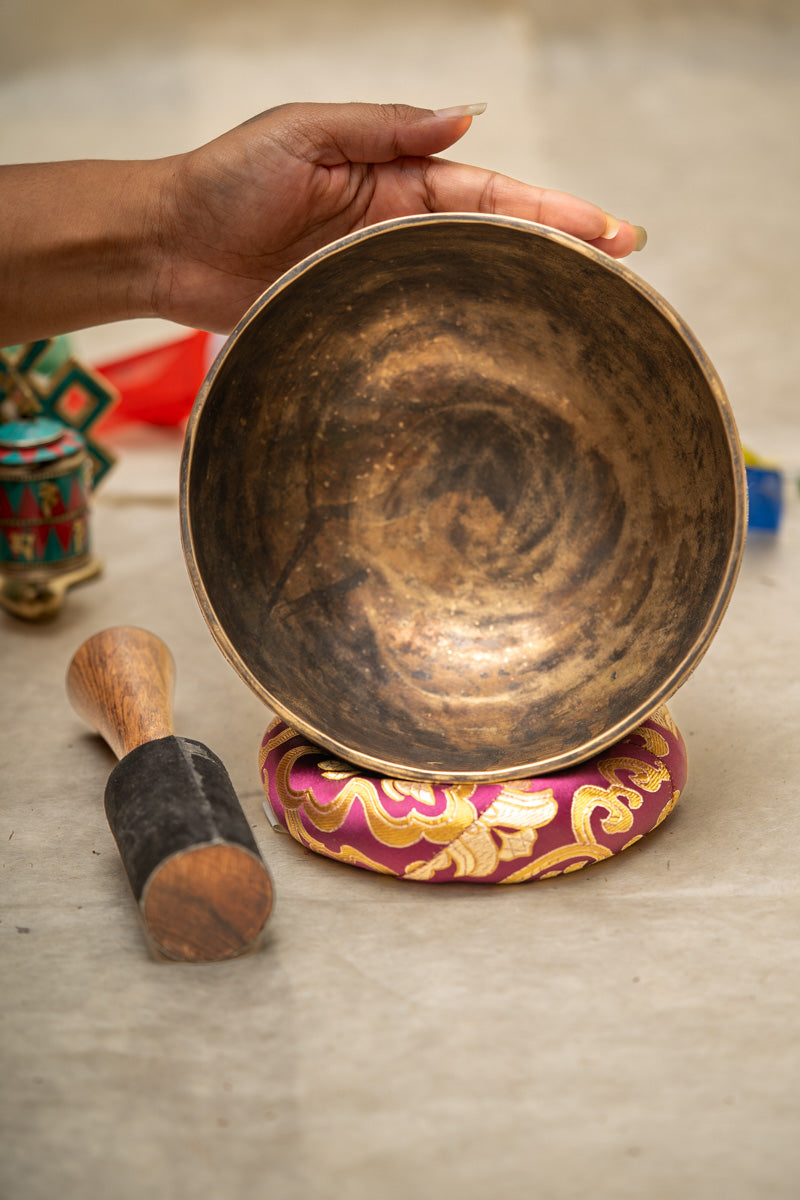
{"x": 37, "y": 597}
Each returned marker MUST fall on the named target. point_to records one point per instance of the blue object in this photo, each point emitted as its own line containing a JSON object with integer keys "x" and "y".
{"x": 765, "y": 496}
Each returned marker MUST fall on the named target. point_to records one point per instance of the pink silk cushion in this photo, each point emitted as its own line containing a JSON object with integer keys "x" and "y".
{"x": 507, "y": 832}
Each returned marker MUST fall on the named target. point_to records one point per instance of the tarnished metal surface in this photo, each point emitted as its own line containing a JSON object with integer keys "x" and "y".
{"x": 462, "y": 498}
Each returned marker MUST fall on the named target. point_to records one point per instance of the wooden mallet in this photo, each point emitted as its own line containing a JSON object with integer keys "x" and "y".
{"x": 202, "y": 887}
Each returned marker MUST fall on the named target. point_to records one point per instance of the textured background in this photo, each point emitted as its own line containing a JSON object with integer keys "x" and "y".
{"x": 628, "y": 1031}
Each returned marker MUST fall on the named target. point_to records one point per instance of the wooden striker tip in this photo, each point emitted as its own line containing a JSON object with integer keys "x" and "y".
{"x": 207, "y": 903}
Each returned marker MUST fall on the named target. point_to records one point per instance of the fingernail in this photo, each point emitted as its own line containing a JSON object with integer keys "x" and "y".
{"x": 612, "y": 227}
{"x": 461, "y": 110}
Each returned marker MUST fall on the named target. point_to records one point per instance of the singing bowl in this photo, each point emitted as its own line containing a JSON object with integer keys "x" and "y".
{"x": 462, "y": 498}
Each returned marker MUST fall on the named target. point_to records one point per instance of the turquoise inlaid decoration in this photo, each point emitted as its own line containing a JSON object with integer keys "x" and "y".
{"x": 59, "y": 349}
{"x": 72, "y": 395}
{"x": 50, "y": 405}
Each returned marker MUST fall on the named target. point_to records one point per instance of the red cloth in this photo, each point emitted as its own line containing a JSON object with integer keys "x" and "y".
{"x": 157, "y": 386}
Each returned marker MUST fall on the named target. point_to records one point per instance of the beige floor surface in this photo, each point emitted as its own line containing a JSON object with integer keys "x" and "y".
{"x": 627, "y": 1031}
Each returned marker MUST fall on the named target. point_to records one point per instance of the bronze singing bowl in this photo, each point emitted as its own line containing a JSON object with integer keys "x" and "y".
{"x": 462, "y": 498}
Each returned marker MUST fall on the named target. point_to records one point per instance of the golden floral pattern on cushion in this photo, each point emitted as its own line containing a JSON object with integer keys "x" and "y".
{"x": 507, "y": 832}
{"x": 391, "y": 820}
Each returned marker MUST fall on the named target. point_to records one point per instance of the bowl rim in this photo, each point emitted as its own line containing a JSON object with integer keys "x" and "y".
{"x": 610, "y": 735}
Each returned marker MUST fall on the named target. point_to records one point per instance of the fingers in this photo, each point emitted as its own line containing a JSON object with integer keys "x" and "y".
{"x": 455, "y": 187}
{"x": 329, "y": 134}
{"x": 337, "y": 134}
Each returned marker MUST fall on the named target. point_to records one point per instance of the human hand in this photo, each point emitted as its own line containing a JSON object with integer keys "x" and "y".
{"x": 239, "y": 211}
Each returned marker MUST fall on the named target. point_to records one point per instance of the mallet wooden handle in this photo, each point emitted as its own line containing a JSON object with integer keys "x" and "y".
{"x": 203, "y": 890}
{"x": 121, "y": 682}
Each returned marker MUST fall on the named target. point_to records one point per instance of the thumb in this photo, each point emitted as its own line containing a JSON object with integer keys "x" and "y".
{"x": 373, "y": 133}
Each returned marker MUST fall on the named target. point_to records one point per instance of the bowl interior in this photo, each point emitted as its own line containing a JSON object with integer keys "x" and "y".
{"x": 462, "y": 498}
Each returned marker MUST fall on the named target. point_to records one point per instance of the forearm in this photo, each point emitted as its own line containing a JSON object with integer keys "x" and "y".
{"x": 80, "y": 245}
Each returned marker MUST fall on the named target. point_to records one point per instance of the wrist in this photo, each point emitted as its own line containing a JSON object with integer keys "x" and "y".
{"x": 81, "y": 244}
